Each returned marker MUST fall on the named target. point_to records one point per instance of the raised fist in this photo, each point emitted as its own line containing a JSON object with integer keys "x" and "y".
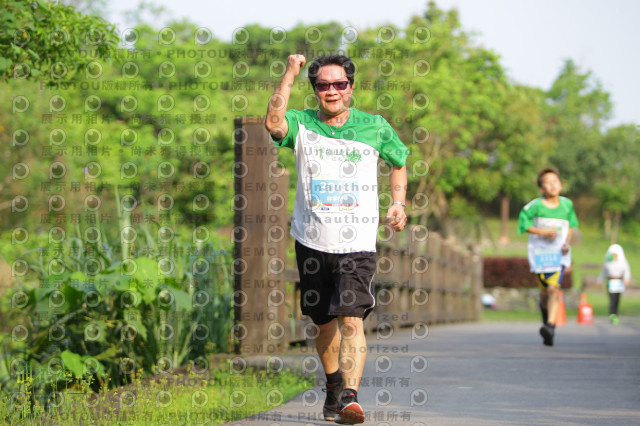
{"x": 295, "y": 63}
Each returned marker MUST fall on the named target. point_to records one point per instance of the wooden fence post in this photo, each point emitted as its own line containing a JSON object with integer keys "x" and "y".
{"x": 476, "y": 286}
{"x": 260, "y": 237}
{"x": 434, "y": 278}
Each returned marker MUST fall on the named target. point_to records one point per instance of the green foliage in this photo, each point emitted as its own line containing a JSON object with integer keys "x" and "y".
{"x": 95, "y": 315}
{"x": 146, "y": 133}
{"x": 159, "y": 121}
{"x": 618, "y": 172}
{"x": 50, "y": 40}
{"x": 578, "y": 107}
{"x": 219, "y": 395}
{"x": 604, "y": 165}
{"x": 480, "y": 136}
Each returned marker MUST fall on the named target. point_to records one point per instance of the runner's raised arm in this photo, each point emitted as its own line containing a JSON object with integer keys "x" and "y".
{"x": 275, "y": 121}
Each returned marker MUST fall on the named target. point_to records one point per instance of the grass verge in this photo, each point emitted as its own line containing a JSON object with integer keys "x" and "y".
{"x": 213, "y": 398}
{"x": 599, "y": 300}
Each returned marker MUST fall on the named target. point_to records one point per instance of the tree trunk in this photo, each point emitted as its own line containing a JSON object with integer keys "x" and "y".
{"x": 607, "y": 223}
{"x": 504, "y": 220}
{"x": 616, "y": 227}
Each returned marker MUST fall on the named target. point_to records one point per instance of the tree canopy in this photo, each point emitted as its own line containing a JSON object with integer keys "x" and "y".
{"x": 166, "y": 104}
{"x": 50, "y": 40}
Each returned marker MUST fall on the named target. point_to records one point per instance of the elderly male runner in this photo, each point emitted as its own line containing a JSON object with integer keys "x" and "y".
{"x": 335, "y": 217}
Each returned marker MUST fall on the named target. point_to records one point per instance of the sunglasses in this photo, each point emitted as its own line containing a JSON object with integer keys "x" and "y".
{"x": 339, "y": 85}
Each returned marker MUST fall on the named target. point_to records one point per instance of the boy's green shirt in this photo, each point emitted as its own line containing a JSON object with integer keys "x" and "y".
{"x": 537, "y": 208}
{"x": 546, "y": 255}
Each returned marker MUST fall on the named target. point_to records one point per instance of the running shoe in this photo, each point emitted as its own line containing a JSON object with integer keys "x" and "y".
{"x": 547, "y": 333}
{"x": 350, "y": 412}
{"x": 330, "y": 408}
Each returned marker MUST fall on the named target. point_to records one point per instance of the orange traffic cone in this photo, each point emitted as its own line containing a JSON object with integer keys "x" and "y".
{"x": 562, "y": 315}
{"x": 585, "y": 311}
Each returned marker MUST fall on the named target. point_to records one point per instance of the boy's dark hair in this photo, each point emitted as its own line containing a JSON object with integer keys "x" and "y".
{"x": 544, "y": 172}
{"x": 344, "y": 61}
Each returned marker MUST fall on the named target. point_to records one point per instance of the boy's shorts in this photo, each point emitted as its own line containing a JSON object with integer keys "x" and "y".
{"x": 551, "y": 278}
{"x": 335, "y": 284}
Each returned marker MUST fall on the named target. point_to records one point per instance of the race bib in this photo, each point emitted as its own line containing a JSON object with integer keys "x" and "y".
{"x": 333, "y": 196}
{"x": 616, "y": 286}
{"x": 547, "y": 260}
{"x": 545, "y": 255}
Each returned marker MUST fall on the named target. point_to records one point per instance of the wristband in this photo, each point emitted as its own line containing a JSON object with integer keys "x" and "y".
{"x": 400, "y": 202}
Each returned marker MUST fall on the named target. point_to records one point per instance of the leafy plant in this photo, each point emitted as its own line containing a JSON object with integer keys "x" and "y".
{"x": 220, "y": 396}
{"x": 50, "y": 40}
{"x": 92, "y": 316}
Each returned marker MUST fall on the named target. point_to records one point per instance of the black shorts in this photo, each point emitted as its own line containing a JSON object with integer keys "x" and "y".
{"x": 335, "y": 285}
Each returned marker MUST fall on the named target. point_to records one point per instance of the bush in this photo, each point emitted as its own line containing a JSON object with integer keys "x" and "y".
{"x": 513, "y": 272}
{"x": 87, "y": 316}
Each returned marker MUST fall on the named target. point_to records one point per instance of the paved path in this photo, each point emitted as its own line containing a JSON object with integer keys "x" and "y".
{"x": 490, "y": 374}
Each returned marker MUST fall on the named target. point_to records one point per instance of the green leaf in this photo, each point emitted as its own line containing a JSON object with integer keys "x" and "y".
{"x": 42, "y": 4}
{"x": 73, "y": 363}
{"x": 42, "y": 292}
{"x": 73, "y": 295}
{"x": 182, "y": 299}
{"x": 33, "y": 53}
{"x": 94, "y": 364}
{"x": 46, "y": 305}
{"x": 147, "y": 278}
{"x": 140, "y": 328}
{"x": 107, "y": 283}
{"x": 5, "y": 63}
{"x": 96, "y": 332}
{"x": 108, "y": 354}
{"x": 80, "y": 282}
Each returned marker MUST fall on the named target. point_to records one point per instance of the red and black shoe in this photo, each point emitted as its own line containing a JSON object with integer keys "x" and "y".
{"x": 330, "y": 408}
{"x": 349, "y": 411}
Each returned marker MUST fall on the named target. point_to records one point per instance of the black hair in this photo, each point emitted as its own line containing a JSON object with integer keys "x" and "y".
{"x": 544, "y": 172}
{"x": 344, "y": 61}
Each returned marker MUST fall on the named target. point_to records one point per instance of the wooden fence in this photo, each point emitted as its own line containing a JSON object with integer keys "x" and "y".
{"x": 421, "y": 278}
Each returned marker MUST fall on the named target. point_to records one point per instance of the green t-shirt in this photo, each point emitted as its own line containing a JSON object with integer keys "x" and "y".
{"x": 336, "y": 207}
{"x": 546, "y": 255}
{"x": 537, "y": 208}
{"x": 372, "y": 130}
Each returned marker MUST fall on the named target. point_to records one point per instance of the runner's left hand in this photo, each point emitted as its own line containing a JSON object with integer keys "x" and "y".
{"x": 397, "y": 217}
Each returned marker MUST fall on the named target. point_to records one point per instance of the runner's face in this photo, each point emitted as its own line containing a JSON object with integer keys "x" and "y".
{"x": 333, "y": 102}
{"x": 551, "y": 185}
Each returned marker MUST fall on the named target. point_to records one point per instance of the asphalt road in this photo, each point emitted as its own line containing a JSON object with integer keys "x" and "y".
{"x": 488, "y": 374}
